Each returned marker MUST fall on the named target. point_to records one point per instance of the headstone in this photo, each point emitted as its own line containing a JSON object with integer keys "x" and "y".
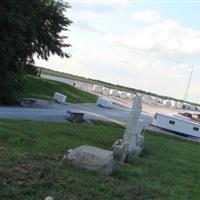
{"x": 120, "y": 150}
{"x": 133, "y": 137}
{"x": 92, "y": 158}
{"x": 77, "y": 117}
{"x": 27, "y": 102}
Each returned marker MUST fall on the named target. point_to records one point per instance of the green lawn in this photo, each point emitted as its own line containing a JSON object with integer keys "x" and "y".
{"x": 36, "y": 87}
{"x": 31, "y": 167}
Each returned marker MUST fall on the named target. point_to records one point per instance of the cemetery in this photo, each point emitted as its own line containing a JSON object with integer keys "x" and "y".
{"x": 124, "y": 131}
{"x": 32, "y": 160}
{"x": 45, "y": 160}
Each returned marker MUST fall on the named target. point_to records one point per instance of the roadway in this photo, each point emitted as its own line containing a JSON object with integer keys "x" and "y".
{"x": 59, "y": 113}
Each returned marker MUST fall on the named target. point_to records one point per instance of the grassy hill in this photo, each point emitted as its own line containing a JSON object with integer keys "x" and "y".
{"x": 31, "y": 166}
{"x": 36, "y": 87}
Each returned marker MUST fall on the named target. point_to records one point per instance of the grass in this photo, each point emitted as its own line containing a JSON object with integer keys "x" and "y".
{"x": 31, "y": 167}
{"x": 36, "y": 87}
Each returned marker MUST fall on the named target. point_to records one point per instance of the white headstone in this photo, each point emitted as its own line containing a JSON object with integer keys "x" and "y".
{"x": 120, "y": 150}
{"x": 133, "y": 133}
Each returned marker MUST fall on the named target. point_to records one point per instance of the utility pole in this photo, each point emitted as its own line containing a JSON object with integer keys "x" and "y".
{"x": 188, "y": 84}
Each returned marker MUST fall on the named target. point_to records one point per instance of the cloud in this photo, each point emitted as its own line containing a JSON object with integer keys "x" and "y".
{"x": 146, "y": 16}
{"x": 167, "y": 39}
{"x": 149, "y": 56}
{"x": 98, "y": 6}
{"x": 83, "y": 24}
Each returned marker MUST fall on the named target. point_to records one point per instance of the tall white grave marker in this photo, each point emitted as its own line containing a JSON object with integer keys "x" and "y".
{"x": 132, "y": 143}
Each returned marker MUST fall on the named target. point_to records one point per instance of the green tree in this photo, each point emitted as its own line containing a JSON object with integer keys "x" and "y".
{"x": 28, "y": 28}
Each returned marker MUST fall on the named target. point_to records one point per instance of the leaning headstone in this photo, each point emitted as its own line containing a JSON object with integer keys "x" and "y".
{"x": 133, "y": 137}
{"x": 134, "y": 126}
{"x": 92, "y": 158}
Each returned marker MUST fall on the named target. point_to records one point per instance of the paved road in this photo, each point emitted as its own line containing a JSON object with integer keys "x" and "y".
{"x": 51, "y": 115}
{"x": 118, "y": 114}
{"x": 58, "y": 113}
{"x": 60, "y": 79}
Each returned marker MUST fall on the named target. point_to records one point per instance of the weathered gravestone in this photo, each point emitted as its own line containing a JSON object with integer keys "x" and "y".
{"x": 77, "y": 117}
{"x": 132, "y": 142}
{"x": 92, "y": 158}
{"x": 100, "y": 160}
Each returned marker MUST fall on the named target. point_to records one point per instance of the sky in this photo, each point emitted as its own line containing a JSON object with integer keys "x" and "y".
{"x": 148, "y": 45}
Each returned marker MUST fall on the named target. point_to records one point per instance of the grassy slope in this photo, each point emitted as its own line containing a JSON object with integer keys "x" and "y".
{"x": 31, "y": 167}
{"x": 44, "y": 89}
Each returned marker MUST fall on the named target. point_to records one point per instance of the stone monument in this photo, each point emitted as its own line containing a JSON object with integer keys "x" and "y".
{"x": 132, "y": 142}
{"x": 92, "y": 158}
{"x": 100, "y": 160}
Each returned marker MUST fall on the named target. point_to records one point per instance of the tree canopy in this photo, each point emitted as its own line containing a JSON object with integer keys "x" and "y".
{"x": 28, "y": 28}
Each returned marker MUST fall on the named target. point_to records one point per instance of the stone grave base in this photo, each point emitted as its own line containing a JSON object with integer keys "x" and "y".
{"x": 92, "y": 158}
